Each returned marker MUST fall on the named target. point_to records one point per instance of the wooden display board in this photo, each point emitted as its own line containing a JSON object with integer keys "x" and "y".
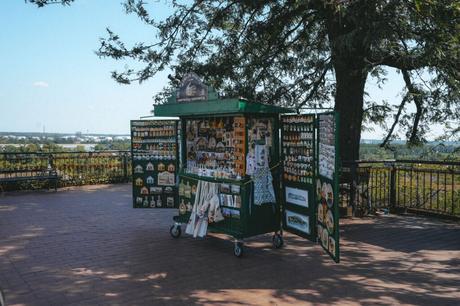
{"x": 154, "y": 151}
{"x": 310, "y": 178}
{"x": 327, "y": 185}
{"x": 298, "y": 155}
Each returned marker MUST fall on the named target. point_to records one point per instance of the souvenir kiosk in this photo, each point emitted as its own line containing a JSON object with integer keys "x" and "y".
{"x": 240, "y": 167}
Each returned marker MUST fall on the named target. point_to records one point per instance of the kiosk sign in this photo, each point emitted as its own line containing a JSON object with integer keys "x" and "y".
{"x": 191, "y": 89}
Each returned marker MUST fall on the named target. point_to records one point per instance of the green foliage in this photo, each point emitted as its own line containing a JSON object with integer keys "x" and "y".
{"x": 300, "y": 53}
{"x": 286, "y": 52}
{"x": 41, "y": 3}
{"x": 429, "y": 152}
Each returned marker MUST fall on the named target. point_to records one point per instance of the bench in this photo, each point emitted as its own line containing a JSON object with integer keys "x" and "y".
{"x": 25, "y": 175}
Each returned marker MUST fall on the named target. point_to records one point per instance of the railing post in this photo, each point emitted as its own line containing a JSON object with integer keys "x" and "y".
{"x": 353, "y": 185}
{"x": 125, "y": 167}
{"x": 393, "y": 188}
{"x": 50, "y": 162}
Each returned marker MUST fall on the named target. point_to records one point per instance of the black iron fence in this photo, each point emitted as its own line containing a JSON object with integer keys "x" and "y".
{"x": 433, "y": 187}
{"x": 365, "y": 186}
{"x": 73, "y": 168}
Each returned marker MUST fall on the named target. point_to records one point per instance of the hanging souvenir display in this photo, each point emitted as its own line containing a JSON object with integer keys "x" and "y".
{"x": 215, "y": 147}
{"x": 154, "y": 155}
{"x": 298, "y": 138}
{"x": 230, "y": 163}
{"x": 327, "y": 186}
{"x": 298, "y": 155}
{"x": 326, "y": 146}
{"x": 258, "y": 159}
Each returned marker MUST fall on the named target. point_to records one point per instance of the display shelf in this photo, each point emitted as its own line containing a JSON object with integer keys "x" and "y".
{"x": 213, "y": 180}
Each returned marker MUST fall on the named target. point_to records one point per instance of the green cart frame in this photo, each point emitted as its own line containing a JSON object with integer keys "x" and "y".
{"x": 306, "y": 200}
{"x": 253, "y": 220}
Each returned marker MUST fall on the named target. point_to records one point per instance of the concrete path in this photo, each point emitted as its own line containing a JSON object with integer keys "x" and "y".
{"x": 87, "y": 246}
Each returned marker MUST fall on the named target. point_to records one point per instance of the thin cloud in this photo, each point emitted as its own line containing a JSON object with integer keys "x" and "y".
{"x": 40, "y": 84}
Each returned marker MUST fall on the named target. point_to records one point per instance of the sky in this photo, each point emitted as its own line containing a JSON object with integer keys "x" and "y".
{"x": 52, "y": 80}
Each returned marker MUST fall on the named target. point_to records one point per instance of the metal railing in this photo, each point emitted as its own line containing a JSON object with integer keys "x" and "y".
{"x": 73, "y": 168}
{"x": 432, "y": 187}
{"x": 365, "y": 186}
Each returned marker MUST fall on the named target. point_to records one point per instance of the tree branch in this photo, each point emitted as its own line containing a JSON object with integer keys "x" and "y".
{"x": 417, "y": 97}
{"x": 316, "y": 85}
{"x": 395, "y": 122}
{"x": 42, "y": 3}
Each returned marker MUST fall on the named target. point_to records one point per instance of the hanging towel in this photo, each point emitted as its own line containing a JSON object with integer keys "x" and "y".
{"x": 205, "y": 198}
{"x": 263, "y": 186}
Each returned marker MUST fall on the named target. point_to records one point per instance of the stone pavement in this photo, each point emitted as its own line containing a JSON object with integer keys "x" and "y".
{"x": 87, "y": 246}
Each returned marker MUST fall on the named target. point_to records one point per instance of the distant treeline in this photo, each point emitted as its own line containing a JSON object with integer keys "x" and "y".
{"x": 435, "y": 151}
{"x": 121, "y": 145}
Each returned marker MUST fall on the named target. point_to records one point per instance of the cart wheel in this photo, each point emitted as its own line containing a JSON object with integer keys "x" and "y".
{"x": 175, "y": 231}
{"x": 277, "y": 241}
{"x": 238, "y": 250}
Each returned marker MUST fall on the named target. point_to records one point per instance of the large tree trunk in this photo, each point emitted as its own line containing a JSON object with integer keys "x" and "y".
{"x": 348, "y": 52}
{"x": 349, "y": 97}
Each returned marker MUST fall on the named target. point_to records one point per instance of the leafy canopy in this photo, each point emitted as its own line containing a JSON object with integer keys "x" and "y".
{"x": 287, "y": 51}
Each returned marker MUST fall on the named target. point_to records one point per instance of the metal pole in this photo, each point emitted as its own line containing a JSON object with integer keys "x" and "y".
{"x": 353, "y": 183}
{"x": 125, "y": 166}
{"x": 393, "y": 188}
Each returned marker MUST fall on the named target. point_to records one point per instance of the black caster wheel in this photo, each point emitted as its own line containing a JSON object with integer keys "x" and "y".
{"x": 175, "y": 231}
{"x": 238, "y": 250}
{"x": 277, "y": 241}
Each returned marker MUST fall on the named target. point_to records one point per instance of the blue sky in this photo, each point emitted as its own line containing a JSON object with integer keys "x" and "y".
{"x": 51, "y": 77}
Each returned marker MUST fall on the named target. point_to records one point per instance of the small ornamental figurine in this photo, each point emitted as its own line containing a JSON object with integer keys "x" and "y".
{"x": 182, "y": 207}
{"x": 149, "y": 167}
{"x": 159, "y": 204}
{"x": 161, "y": 167}
{"x": 171, "y": 168}
{"x": 144, "y": 191}
{"x": 138, "y": 169}
{"x": 188, "y": 191}
{"x": 149, "y": 180}
{"x": 170, "y": 201}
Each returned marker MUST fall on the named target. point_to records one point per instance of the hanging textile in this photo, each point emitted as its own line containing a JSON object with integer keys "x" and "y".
{"x": 262, "y": 177}
{"x": 206, "y": 208}
{"x": 263, "y": 186}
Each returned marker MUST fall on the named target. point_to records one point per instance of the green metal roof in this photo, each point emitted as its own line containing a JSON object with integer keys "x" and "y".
{"x": 211, "y": 107}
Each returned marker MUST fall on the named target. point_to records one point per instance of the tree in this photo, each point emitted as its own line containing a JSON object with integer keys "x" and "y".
{"x": 302, "y": 53}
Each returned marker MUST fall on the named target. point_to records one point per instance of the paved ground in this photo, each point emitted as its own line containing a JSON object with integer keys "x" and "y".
{"x": 87, "y": 246}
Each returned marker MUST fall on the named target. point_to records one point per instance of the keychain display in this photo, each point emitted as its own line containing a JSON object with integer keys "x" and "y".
{"x": 297, "y": 148}
{"x": 326, "y": 145}
{"x": 154, "y": 154}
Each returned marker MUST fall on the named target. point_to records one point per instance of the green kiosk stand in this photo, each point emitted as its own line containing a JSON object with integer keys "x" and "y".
{"x": 268, "y": 169}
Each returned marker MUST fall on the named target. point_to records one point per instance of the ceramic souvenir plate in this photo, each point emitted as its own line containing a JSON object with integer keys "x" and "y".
{"x": 330, "y": 221}
{"x": 331, "y": 246}
{"x": 329, "y": 195}
{"x": 320, "y": 213}
{"x": 324, "y": 238}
